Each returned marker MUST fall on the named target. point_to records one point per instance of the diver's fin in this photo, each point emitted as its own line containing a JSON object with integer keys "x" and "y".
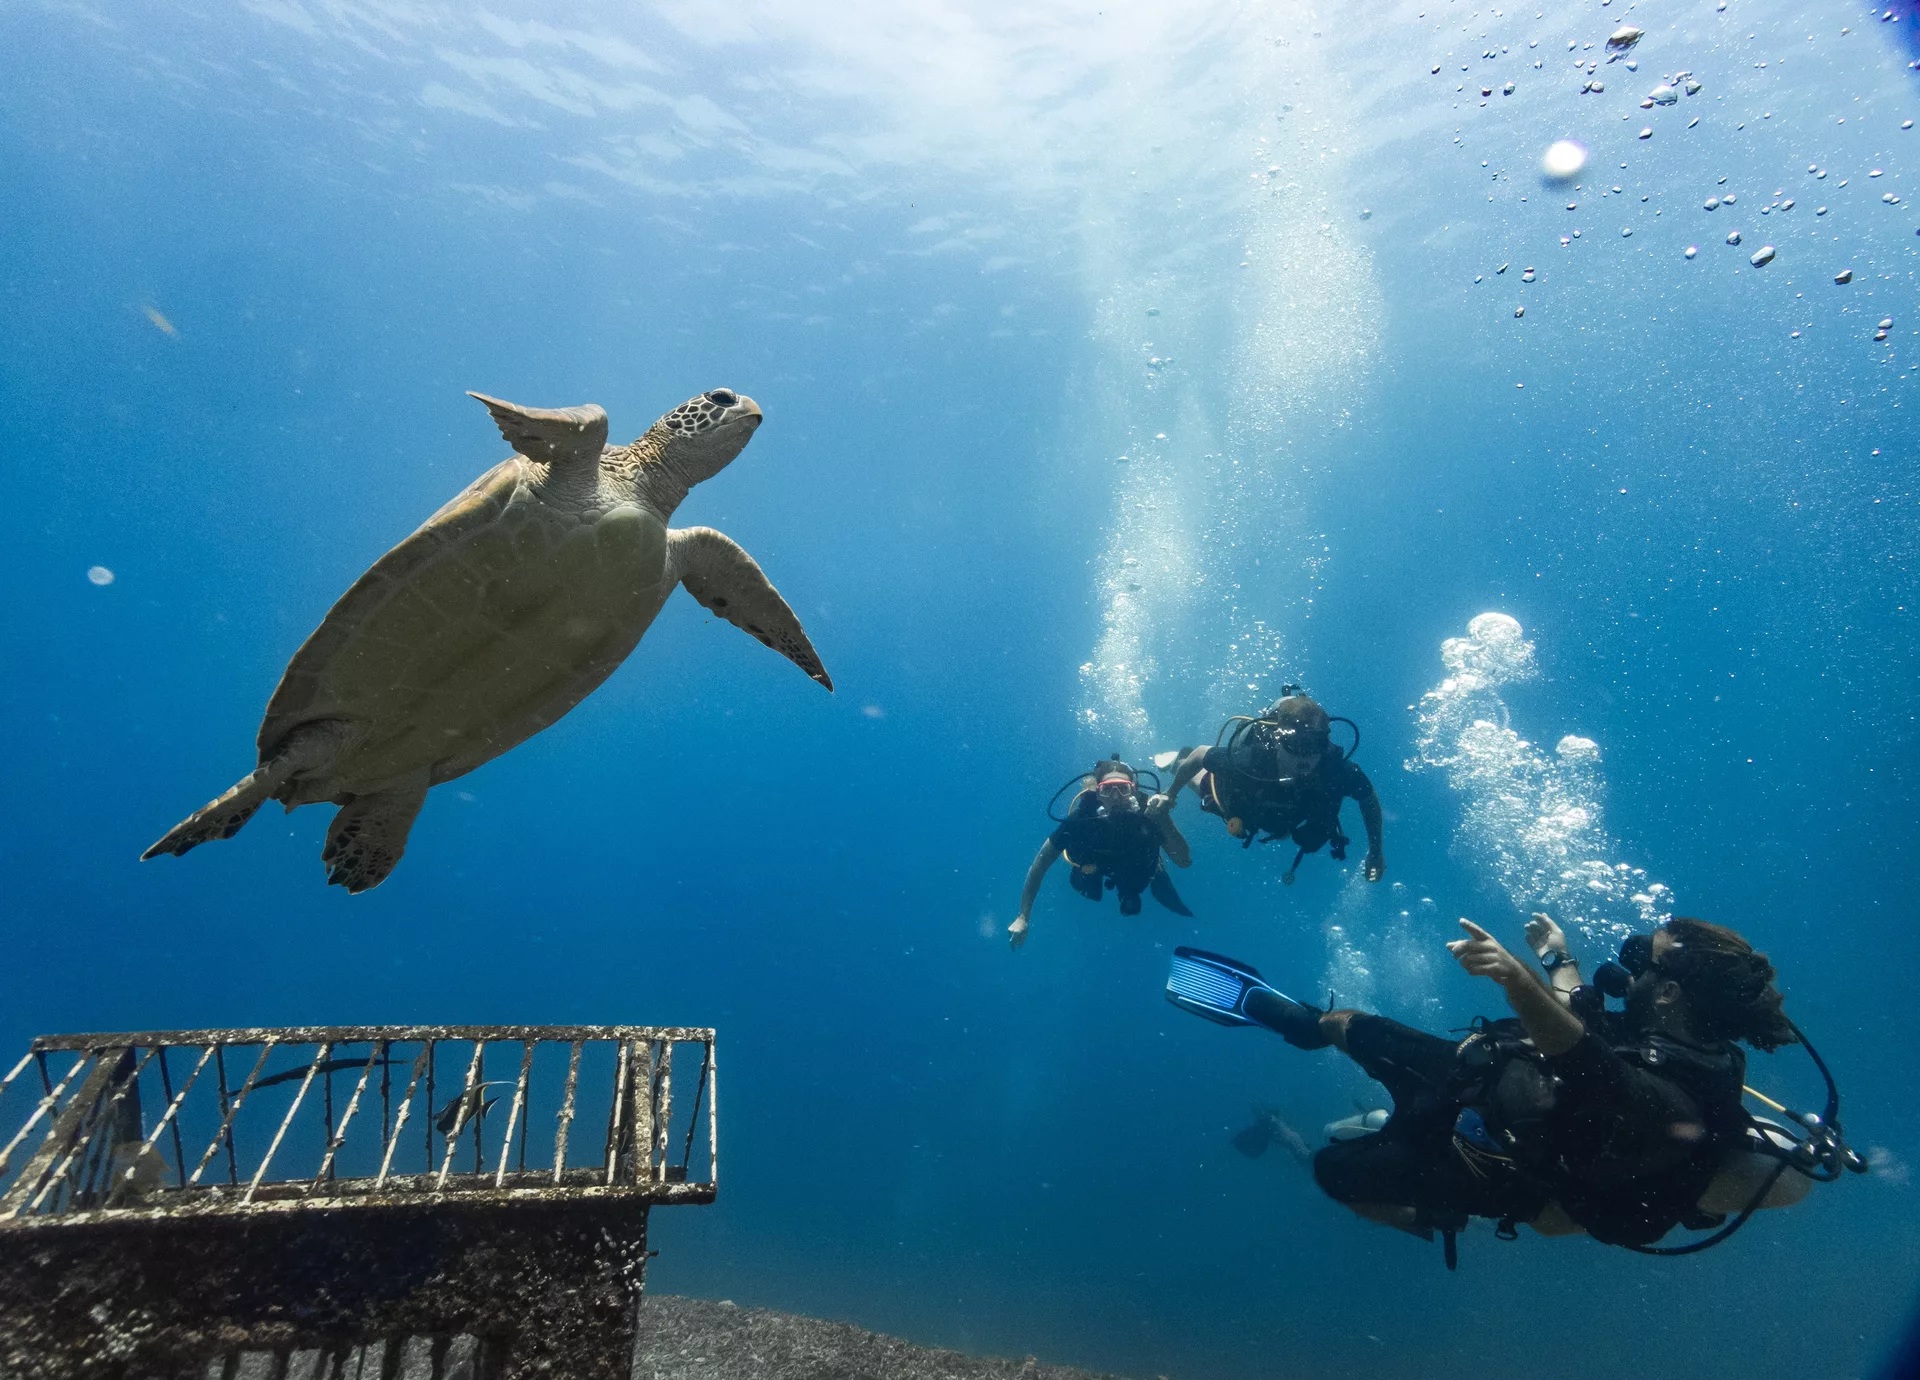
{"x": 1162, "y": 888}
{"x": 570, "y": 437}
{"x": 369, "y": 835}
{"x": 1163, "y": 760}
{"x": 726, "y": 581}
{"x": 1223, "y": 990}
{"x": 1211, "y": 986}
{"x": 1253, "y": 1139}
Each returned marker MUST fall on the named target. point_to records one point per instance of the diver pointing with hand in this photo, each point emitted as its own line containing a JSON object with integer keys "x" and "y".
{"x": 1566, "y": 1116}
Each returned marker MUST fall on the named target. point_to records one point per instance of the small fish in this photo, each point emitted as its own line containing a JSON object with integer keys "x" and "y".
{"x": 1622, "y": 41}
{"x": 324, "y": 1066}
{"x": 153, "y": 315}
{"x": 471, "y": 1105}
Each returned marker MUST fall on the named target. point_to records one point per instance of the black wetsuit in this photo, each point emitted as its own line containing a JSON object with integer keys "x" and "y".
{"x": 1624, "y": 1132}
{"x": 1244, "y": 785}
{"x": 1123, "y": 849}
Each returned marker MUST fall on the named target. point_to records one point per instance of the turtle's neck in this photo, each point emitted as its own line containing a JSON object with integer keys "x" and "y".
{"x": 661, "y": 483}
{"x": 570, "y": 488}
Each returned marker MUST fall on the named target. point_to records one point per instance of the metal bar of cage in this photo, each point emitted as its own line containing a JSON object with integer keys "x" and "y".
{"x": 693, "y": 1121}
{"x": 713, "y": 1116}
{"x": 614, "y": 1114}
{"x": 664, "y": 1123}
{"x": 49, "y": 1101}
{"x": 61, "y": 1131}
{"x": 641, "y": 1081}
{"x": 336, "y": 1139}
{"x": 15, "y": 1072}
{"x": 513, "y": 1115}
{"x": 225, "y": 1133}
{"x": 460, "y": 1114}
{"x": 170, "y": 1117}
{"x": 91, "y": 1118}
{"x": 566, "y": 1110}
{"x": 420, "y": 1063}
{"x": 233, "y": 1162}
{"x": 286, "y": 1121}
{"x": 166, "y": 1087}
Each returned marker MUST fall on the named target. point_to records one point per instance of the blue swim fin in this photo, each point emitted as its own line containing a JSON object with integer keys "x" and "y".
{"x": 1212, "y": 986}
{"x": 1228, "y": 992}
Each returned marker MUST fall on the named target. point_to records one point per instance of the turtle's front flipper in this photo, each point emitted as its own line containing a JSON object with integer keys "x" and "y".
{"x": 726, "y": 580}
{"x": 367, "y": 837}
{"x": 567, "y": 437}
{"x": 311, "y": 747}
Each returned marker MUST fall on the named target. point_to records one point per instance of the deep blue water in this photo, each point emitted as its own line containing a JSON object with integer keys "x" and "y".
{"x": 944, "y": 251}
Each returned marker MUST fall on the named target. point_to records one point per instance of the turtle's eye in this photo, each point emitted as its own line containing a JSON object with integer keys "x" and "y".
{"x": 723, "y": 397}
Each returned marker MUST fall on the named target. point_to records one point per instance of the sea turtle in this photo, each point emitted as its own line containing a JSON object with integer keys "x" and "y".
{"x": 501, "y": 613}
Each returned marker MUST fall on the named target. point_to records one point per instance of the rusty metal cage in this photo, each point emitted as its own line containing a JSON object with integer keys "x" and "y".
{"x": 327, "y": 1187}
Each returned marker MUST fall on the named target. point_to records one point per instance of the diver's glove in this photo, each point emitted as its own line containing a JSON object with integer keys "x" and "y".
{"x": 1373, "y": 867}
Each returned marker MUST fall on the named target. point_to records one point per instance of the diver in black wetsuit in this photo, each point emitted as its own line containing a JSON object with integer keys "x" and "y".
{"x": 1569, "y": 1118}
{"x": 1112, "y": 837}
{"x": 1279, "y": 774}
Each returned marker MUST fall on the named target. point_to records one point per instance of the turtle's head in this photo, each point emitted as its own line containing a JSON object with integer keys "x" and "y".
{"x": 700, "y": 437}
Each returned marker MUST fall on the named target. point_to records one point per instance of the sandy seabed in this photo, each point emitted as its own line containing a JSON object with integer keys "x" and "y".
{"x": 693, "y": 1339}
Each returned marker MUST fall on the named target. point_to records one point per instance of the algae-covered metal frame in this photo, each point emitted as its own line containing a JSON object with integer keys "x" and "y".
{"x": 154, "y": 1124}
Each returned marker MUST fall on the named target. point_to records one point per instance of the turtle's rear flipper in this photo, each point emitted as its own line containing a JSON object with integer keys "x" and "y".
{"x": 310, "y": 747}
{"x": 222, "y": 817}
{"x": 368, "y": 836}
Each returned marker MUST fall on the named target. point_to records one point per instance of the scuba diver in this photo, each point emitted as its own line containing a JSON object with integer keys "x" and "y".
{"x": 1111, "y": 835}
{"x": 1568, "y": 1116}
{"x": 1278, "y": 773}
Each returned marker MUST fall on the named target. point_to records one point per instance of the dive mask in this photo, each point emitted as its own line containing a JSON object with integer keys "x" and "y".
{"x": 1116, "y": 792}
{"x": 1636, "y": 956}
{"x": 1301, "y": 740}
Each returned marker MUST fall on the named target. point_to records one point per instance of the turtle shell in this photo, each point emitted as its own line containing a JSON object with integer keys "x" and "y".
{"x": 486, "y": 625}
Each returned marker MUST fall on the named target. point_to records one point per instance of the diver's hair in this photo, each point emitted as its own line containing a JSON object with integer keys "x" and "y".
{"x": 1299, "y": 709}
{"x": 1728, "y": 983}
{"x": 1108, "y": 766}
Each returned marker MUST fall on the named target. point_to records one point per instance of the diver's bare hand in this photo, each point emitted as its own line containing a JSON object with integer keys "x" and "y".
{"x": 1373, "y": 867}
{"x": 1017, "y": 932}
{"x": 1544, "y": 936}
{"x": 1484, "y": 956}
{"x": 1159, "y": 803}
